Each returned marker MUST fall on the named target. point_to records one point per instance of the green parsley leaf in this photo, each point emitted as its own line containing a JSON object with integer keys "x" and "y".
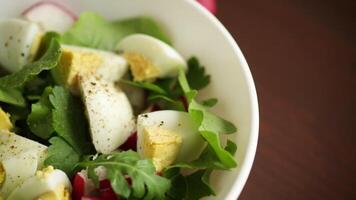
{"x": 145, "y": 183}
{"x": 69, "y": 121}
{"x": 92, "y": 30}
{"x": 196, "y": 76}
{"x": 48, "y": 61}
{"x": 40, "y": 119}
{"x": 12, "y": 96}
{"x": 61, "y": 155}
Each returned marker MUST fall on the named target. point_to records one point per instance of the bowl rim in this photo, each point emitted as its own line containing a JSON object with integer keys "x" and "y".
{"x": 246, "y": 167}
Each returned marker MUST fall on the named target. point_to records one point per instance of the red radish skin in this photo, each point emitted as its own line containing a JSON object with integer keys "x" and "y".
{"x": 106, "y": 191}
{"x": 61, "y": 7}
{"x": 78, "y": 187}
{"x": 131, "y": 143}
{"x": 209, "y": 4}
{"x": 91, "y": 198}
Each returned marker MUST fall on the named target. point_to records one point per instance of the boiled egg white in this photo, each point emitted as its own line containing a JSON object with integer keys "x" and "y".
{"x": 175, "y": 122}
{"x": 108, "y": 111}
{"x": 19, "y": 160}
{"x": 48, "y": 183}
{"x": 150, "y": 58}
{"x": 81, "y": 61}
{"x": 19, "y": 40}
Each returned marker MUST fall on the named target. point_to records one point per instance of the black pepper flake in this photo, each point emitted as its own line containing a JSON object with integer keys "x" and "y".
{"x": 11, "y": 37}
{"x": 145, "y": 115}
{"x": 23, "y": 54}
{"x": 6, "y": 44}
{"x": 18, "y": 40}
{"x": 92, "y": 83}
{"x": 161, "y": 124}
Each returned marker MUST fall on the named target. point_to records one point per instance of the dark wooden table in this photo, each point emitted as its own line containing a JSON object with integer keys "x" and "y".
{"x": 302, "y": 54}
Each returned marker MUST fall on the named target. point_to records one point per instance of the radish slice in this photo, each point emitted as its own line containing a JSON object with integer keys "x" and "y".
{"x": 51, "y": 16}
{"x": 106, "y": 191}
{"x": 78, "y": 187}
{"x": 131, "y": 143}
{"x": 209, "y": 4}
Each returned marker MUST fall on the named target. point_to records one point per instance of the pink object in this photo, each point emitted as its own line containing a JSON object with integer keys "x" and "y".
{"x": 51, "y": 16}
{"x": 209, "y": 4}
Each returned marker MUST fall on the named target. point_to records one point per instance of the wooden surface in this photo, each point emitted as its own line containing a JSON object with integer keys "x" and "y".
{"x": 302, "y": 54}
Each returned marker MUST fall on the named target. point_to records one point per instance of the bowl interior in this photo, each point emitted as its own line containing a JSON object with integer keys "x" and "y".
{"x": 194, "y": 32}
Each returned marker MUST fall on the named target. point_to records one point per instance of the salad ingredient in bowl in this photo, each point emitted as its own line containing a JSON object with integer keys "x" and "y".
{"x": 110, "y": 105}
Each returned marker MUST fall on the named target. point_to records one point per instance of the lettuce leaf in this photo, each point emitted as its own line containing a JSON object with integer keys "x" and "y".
{"x": 48, "y": 61}
{"x": 12, "y": 96}
{"x": 92, "y": 30}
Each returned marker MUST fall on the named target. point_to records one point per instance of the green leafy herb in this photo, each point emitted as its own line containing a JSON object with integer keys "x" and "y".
{"x": 190, "y": 187}
{"x": 68, "y": 119}
{"x": 48, "y": 61}
{"x": 12, "y": 96}
{"x": 40, "y": 120}
{"x": 61, "y": 155}
{"x": 146, "y": 85}
{"x": 92, "y": 30}
{"x": 210, "y": 124}
{"x": 196, "y": 76}
{"x": 145, "y": 183}
{"x": 210, "y": 102}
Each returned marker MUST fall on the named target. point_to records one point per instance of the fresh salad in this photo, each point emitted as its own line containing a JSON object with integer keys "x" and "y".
{"x": 92, "y": 109}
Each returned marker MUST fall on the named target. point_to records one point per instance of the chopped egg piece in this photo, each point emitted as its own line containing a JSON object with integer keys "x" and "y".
{"x": 175, "y": 123}
{"x": 19, "y": 159}
{"x": 46, "y": 184}
{"x": 17, "y": 169}
{"x": 150, "y": 58}
{"x": 80, "y": 61}
{"x": 5, "y": 123}
{"x": 109, "y": 113}
{"x": 141, "y": 67}
{"x": 20, "y": 40}
{"x": 161, "y": 145}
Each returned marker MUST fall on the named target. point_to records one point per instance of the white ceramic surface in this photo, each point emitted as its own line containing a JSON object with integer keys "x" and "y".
{"x": 194, "y": 31}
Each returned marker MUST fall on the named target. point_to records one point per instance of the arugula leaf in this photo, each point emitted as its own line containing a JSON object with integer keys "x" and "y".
{"x": 92, "y": 30}
{"x": 68, "y": 119}
{"x": 40, "y": 119}
{"x": 12, "y": 96}
{"x": 48, "y": 61}
{"x": 210, "y": 125}
{"x": 61, "y": 155}
{"x": 196, "y": 76}
{"x": 145, "y": 183}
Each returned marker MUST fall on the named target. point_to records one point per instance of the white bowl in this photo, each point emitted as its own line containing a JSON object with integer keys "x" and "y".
{"x": 194, "y": 31}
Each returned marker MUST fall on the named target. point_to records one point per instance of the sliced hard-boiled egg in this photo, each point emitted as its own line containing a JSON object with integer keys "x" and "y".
{"x": 150, "y": 58}
{"x": 160, "y": 134}
{"x": 50, "y": 16}
{"x": 16, "y": 170}
{"x": 108, "y": 111}
{"x": 5, "y": 123}
{"x": 19, "y": 159}
{"x": 19, "y": 41}
{"x": 12, "y": 145}
{"x": 48, "y": 183}
{"x": 161, "y": 145}
{"x": 81, "y": 61}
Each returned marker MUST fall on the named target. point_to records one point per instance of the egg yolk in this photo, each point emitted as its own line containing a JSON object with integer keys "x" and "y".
{"x": 2, "y": 175}
{"x": 5, "y": 123}
{"x": 161, "y": 145}
{"x": 142, "y": 68}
